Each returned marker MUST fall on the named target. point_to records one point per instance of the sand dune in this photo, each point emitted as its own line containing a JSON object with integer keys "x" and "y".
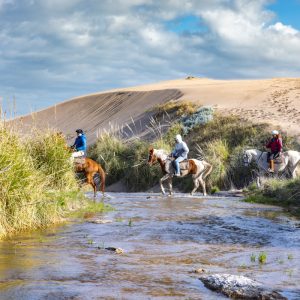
{"x": 276, "y": 101}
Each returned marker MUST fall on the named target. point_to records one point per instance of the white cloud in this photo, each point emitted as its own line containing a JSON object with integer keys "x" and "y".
{"x": 54, "y": 49}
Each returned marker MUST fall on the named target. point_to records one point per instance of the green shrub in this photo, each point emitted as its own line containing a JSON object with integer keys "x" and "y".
{"x": 52, "y": 158}
{"x": 284, "y": 193}
{"x": 27, "y": 171}
{"x": 139, "y": 175}
{"x": 113, "y": 154}
{"x": 20, "y": 185}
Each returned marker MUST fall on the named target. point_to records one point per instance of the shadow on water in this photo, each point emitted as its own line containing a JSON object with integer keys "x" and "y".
{"x": 164, "y": 240}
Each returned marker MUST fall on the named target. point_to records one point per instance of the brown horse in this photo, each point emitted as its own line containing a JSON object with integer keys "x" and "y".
{"x": 199, "y": 169}
{"x": 89, "y": 167}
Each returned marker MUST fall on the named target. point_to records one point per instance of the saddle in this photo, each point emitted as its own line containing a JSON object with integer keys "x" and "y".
{"x": 184, "y": 165}
{"x": 279, "y": 160}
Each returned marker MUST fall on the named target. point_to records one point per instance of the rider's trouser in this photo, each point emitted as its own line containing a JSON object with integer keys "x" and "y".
{"x": 176, "y": 164}
{"x": 271, "y": 157}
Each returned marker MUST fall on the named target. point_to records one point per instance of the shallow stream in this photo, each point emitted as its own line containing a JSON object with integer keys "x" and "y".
{"x": 164, "y": 241}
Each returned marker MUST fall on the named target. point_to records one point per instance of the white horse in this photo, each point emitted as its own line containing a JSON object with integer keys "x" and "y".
{"x": 199, "y": 169}
{"x": 284, "y": 166}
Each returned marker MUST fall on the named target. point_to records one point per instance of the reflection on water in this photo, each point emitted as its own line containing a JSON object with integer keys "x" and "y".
{"x": 164, "y": 240}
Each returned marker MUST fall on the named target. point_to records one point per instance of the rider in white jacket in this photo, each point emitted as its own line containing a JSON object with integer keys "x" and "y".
{"x": 179, "y": 153}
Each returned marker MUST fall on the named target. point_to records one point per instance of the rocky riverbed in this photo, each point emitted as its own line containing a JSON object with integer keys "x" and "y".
{"x": 149, "y": 248}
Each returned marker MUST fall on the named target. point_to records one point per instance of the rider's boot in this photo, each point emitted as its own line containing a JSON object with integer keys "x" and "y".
{"x": 271, "y": 169}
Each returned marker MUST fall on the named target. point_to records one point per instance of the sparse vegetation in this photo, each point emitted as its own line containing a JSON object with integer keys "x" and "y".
{"x": 285, "y": 193}
{"x": 178, "y": 108}
{"x": 262, "y": 257}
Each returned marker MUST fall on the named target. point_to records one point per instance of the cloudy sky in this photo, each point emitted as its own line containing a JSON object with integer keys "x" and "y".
{"x": 52, "y": 50}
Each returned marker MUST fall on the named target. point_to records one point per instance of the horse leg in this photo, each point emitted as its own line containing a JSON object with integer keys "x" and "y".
{"x": 170, "y": 185}
{"x": 161, "y": 183}
{"x": 258, "y": 181}
{"x": 196, "y": 185}
{"x": 294, "y": 172}
{"x": 90, "y": 180}
{"x": 202, "y": 182}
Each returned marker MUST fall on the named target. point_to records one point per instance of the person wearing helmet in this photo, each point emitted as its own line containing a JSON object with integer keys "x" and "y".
{"x": 275, "y": 146}
{"x": 80, "y": 144}
{"x": 180, "y": 153}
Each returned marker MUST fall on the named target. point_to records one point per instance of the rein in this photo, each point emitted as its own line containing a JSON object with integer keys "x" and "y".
{"x": 260, "y": 157}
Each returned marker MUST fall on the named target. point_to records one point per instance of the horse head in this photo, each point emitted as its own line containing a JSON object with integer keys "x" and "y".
{"x": 247, "y": 158}
{"x": 152, "y": 157}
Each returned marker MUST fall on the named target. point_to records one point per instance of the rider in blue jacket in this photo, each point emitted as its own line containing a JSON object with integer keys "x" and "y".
{"x": 80, "y": 142}
{"x": 179, "y": 153}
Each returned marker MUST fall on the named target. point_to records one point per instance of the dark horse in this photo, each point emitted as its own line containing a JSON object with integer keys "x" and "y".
{"x": 89, "y": 167}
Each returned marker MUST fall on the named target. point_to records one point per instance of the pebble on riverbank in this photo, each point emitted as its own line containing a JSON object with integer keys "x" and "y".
{"x": 116, "y": 250}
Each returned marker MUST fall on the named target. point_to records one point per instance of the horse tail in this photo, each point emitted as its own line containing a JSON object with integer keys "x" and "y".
{"x": 102, "y": 177}
{"x": 207, "y": 170}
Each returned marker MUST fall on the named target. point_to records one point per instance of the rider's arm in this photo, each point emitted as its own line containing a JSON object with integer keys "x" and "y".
{"x": 185, "y": 148}
{"x": 279, "y": 145}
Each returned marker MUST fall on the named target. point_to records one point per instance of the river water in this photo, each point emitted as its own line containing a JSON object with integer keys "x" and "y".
{"x": 164, "y": 240}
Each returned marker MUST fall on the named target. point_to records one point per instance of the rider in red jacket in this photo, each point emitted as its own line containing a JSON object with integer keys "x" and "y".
{"x": 275, "y": 144}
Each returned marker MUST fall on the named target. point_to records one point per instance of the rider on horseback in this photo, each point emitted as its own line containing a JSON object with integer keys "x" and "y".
{"x": 275, "y": 144}
{"x": 179, "y": 153}
{"x": 79, "y": 144}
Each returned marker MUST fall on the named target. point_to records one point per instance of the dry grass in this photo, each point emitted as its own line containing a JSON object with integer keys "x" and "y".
{"x": 179, "y": 108}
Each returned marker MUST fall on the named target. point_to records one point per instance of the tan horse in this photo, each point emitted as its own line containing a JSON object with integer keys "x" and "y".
{"x": 89, "y": 167}
{"x": 199, "y": 169}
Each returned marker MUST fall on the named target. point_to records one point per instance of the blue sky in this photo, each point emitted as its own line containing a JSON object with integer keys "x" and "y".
{"x": 287, "y": 12}
{"x": 53, "y": 50}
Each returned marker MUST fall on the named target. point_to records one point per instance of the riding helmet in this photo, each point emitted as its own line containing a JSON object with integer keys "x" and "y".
{"x": 79, "y": 130}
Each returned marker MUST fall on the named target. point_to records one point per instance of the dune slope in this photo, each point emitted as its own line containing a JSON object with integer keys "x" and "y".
{"x": 98, "y": 112}
{"x": 276, "y": 101}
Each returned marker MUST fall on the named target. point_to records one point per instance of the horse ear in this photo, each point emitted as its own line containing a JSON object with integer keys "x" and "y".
{"x": 151, "y": 148}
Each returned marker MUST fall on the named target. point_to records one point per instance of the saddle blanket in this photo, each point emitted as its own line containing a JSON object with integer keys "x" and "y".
{"x": 184, "y": 165}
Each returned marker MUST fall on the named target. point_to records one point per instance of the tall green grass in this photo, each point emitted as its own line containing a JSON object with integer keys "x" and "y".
{"x": 29, "y": 168}
{"x": 127, "y": 160}
{"x": 51, "y": 156}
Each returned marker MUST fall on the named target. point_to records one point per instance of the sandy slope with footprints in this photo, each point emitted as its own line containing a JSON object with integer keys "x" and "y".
{"x": 276, "y": 101}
